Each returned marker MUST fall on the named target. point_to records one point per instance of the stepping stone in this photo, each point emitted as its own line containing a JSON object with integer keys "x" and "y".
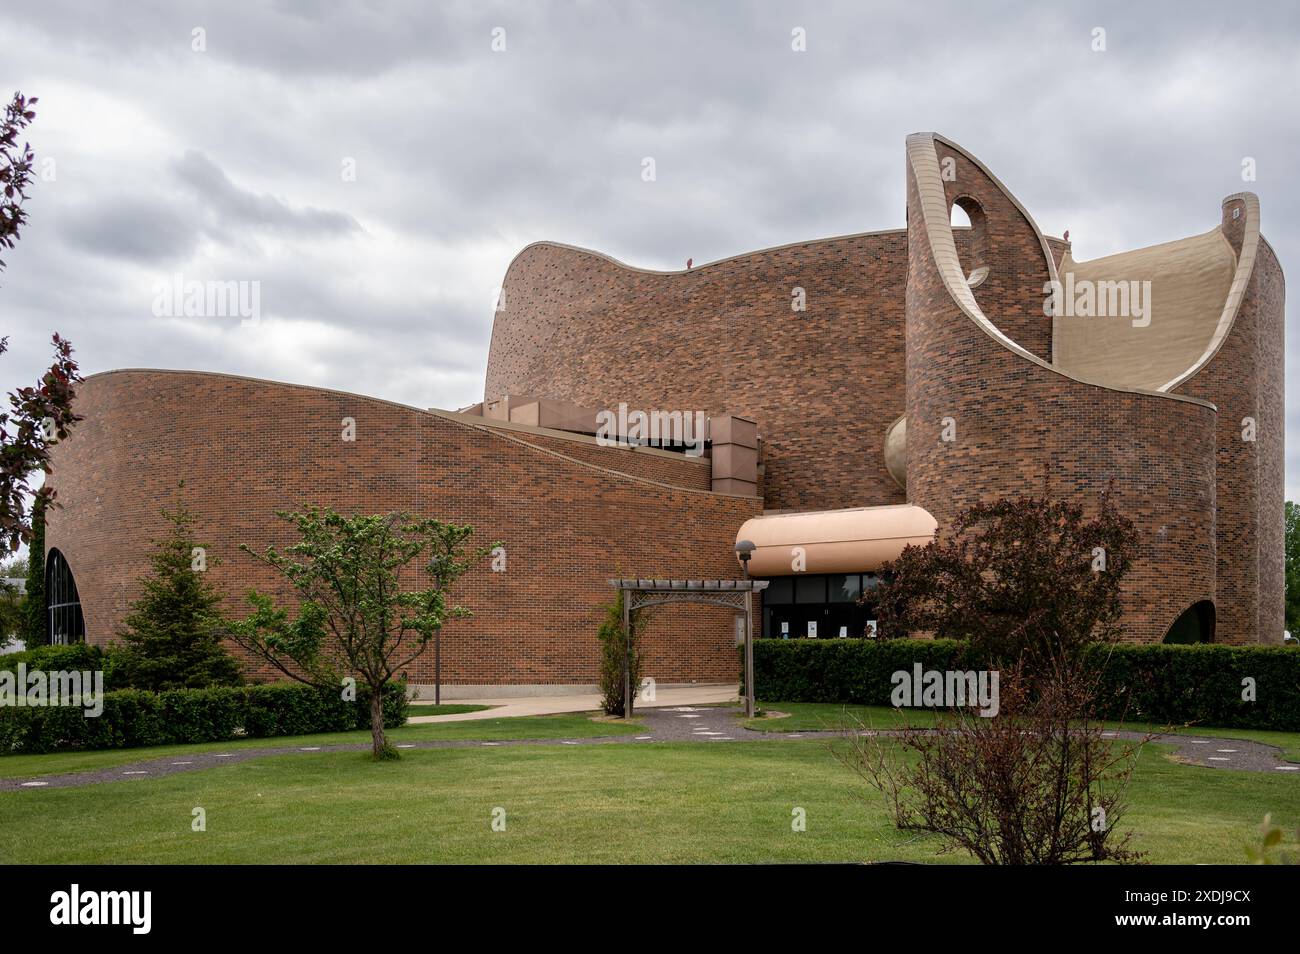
{"x": 406, "y": 745}
{"x": 135, "y": 773}
{"x": 34, "y": 784}
{"x": 182, "y": 763}
{"x": 642, "y": 738}
{"x": 491, "y": 743}
{"x": 1219, "y": 758}
{"x": 1225, "y": 750}
{"x": 567, "y": 742}
{"x": 688, "y": 717}
{"x": 311, "y": 748}
{"x": 223, "y": 755}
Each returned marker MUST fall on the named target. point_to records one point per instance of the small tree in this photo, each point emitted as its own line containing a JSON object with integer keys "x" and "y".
{"x": 172, "y": 636}
{"x": 613, "y": 654}
{"x": 1037, "y": 784}
{"x": 1029, "y": 582}
{"x": 1026, "y": 578}
{"x": 35, "y": 618}
{"x": 358, "y": 615}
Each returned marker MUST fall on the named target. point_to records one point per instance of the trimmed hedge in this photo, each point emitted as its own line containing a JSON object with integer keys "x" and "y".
{"x": 133, "y": 717}
{"x": 79, "y": 656}
{"x": 1162, "y": 684}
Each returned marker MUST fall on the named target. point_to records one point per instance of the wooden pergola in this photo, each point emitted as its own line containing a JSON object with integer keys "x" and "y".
{"x": 734, "y": 594}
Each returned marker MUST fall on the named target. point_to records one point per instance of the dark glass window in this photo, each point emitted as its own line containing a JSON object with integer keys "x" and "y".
{"x": 810, "y": 589}
{"x": 780, "y": 590}
{"x": 845, "y": 589}
{"x": 66, "y": 624}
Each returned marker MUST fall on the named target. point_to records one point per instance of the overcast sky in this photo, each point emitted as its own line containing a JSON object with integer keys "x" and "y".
{"x": 229, "y": 163}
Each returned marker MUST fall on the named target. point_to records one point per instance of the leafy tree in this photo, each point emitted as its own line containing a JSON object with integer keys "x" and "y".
{"x": 15, "y": 169}
{"x": 613, "y": 654}
{"x": 36, "y": 620}
{"x": 172, "y": 636}
{"x": 41, "y": 415}
{"x": 360, "y": 614}
{"x": 1026, "y": 578}
{"x": 1293, "y": 568}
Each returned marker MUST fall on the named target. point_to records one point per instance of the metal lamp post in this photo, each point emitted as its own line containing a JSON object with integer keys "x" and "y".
{"x": 744, "y": 550}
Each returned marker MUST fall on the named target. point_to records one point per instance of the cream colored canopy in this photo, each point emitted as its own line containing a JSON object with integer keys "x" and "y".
{"x": 860, "y": 540}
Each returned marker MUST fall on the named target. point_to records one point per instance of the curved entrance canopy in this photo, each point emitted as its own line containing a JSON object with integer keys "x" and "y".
{"x": 860, "y": 540}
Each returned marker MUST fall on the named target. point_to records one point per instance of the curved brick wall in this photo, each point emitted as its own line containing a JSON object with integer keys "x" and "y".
{"x": 246, "y": 448}
{"x": 822, "y": 384}
{"x": 1023, "y": 427}
{"x": 1245, "y": 379}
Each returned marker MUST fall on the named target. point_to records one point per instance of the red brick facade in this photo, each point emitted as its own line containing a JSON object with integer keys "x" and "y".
{"x": 246, "y": 448}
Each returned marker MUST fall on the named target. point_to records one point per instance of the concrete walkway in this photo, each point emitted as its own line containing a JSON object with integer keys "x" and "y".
{"x": 701, "y": 695}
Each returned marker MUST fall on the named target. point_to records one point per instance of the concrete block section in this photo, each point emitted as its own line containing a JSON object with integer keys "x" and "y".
{"x": 729, "y": 429}
{"x": 729, "y": 485}
{"x": 733, "y": 460}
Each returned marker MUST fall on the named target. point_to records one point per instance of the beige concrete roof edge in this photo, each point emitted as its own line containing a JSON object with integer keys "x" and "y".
{"x": 955, "y": 282}
{"x": 450, "y": 416}
{"x": 547, "y": 243}
{"x": 1236, "y": 290}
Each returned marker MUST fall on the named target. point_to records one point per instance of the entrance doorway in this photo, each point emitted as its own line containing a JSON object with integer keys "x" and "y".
{"x": 819, "y": 606}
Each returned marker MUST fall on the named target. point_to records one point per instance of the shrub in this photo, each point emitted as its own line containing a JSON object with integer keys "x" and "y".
{"x": 135, "y": 717}
{"x": 1162, "y": 684}
{"x": 614, "y": 656}
{"x": 52, "y": 658}
{"x": 1028, "y": 786}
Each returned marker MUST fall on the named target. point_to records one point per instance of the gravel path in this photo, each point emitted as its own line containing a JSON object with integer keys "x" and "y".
{"x": 677, "y": 724}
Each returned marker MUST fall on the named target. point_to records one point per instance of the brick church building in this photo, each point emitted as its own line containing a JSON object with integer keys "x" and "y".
{"x": 854, "y": 394}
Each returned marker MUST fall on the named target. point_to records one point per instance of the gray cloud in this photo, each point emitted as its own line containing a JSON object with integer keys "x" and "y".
{"x": 141, "y": 229}
{"x": 226, "y": 164}
{"x": 236, "y": 208}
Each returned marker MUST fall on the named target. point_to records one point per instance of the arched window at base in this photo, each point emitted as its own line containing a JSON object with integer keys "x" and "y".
{"x": 63, "y": 605}
{"x": 1196, "y": 625}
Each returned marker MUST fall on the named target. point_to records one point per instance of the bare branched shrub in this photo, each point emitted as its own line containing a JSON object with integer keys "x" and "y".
{"x": 1037, "y": 784}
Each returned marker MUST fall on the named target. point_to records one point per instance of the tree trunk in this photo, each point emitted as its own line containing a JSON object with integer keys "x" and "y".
{"x": 377, "y": 739}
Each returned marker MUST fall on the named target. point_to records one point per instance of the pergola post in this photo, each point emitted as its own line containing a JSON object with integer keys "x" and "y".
{"x": 749, "y": 655}
{"x": 627, "y": 658}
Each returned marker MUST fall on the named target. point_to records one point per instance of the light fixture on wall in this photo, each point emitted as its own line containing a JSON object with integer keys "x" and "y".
{"x": 744, "y": 550}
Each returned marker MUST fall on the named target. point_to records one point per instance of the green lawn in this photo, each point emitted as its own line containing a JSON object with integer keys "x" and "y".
{"x": 572, "y": 726}
{"x": 639, "y": 802}
{"x": 819, "y": 716}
